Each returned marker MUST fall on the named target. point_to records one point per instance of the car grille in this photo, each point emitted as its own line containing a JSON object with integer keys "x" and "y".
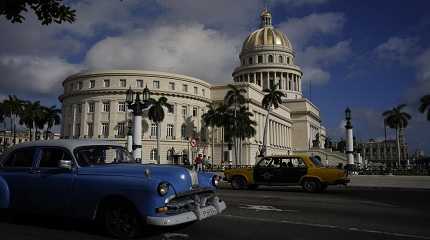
{"x": 189, "y": 201}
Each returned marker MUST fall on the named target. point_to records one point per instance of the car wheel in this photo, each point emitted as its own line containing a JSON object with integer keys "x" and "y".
{"x": 238, "y": 182}
{"x": 121, "y": 220}
{"x": 311, "y": 185}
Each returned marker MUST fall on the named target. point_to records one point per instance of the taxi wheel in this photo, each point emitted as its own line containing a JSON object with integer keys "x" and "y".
{"x": 238, "y": 182}
{"x": 121, "y": 220}
{"x": 311, "y": 185}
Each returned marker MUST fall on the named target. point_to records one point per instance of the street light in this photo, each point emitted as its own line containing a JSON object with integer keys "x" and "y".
{"x": 137, "y": 107}
{"x": 349, "y": 140}
{"x": 348, "y": 114}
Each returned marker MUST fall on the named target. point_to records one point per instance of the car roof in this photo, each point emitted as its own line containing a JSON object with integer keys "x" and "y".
{"x": 66, "y": 143}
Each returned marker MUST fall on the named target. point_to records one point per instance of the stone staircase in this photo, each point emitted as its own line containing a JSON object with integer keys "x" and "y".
{"x": 328, "y": 157}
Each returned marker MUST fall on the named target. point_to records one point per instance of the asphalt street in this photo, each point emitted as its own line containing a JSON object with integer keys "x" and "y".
{"x": 274, "y": 213}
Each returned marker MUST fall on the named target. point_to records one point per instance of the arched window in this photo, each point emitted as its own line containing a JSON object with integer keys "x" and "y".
{"x": 281, "y": 59}
{"x": 288, "y": 60}
{"x": 270, "y": 58}
{"x": 153, "y": 154}
{"x": 250, "y": 60}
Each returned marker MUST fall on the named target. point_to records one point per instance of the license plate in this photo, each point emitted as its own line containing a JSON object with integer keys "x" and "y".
{"x": 207, "y": 212}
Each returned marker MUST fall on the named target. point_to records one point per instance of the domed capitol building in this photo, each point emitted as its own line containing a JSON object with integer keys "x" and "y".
{"x": 94, "y": 104}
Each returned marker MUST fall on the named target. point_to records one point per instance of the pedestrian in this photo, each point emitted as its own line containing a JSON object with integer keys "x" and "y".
{"x": 205, "y": 162}
{"x": 199, "y": 162}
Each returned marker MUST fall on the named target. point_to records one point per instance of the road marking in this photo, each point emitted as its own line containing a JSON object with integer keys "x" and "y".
{"x": 265, "y": 208}
{"x": 175, "y": 236}
{"x": 328, "y": 226}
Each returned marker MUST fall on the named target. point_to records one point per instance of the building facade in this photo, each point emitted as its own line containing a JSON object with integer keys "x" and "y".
{"x": 94, "y": 104}
{"x": 384, "y": 152}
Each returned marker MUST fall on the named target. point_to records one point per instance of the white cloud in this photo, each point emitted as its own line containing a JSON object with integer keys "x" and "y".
{"x": 301, "y": 30}
{"x": 397, "y": 49}
{"x": 34, "y": 75}
{"x": 186, "y": 49}
{"x": 92, "y": 16}
{"x": 315, "y": 59}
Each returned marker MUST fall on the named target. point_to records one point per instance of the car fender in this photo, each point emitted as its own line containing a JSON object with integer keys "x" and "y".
{"x": 310, "y": 176}
{"x": 247, "y": 173}
{"x": 4, "y": 194}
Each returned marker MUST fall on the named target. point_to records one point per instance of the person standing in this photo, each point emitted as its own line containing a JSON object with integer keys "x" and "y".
{"x": 199, "y": 162}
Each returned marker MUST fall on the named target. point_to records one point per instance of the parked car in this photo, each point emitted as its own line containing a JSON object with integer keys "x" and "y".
{"x": 286, "y": 170}
{"x": 100, "y": 181}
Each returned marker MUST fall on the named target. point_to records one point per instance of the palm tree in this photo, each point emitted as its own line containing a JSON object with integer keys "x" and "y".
{"x": 156, "y": 114}
{"x": 425, "y": 105}
{"x": 3, "y": 120}
{"x": 398, "y": 120}
{"x": 211, "y": 119}
{"x": 52, "y": 116}
{"x": 234, "y": 99}
{"x": 273, "y": 98}
{"x": 13, "y": 107}
{"x": 31, "y": 112}
{"x": 245, "y": 127}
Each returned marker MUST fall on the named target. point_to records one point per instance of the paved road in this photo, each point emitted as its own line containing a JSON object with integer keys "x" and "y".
{"x": 277, "y": 213}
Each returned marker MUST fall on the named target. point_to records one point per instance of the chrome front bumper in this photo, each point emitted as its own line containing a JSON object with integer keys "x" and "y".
{"x": 215, "y": 207}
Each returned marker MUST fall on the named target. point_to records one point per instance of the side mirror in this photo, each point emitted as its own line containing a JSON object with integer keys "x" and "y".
{"x": 65, "y": 164}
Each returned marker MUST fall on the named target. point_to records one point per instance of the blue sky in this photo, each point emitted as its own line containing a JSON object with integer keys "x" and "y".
{"x": 368, "y": 55}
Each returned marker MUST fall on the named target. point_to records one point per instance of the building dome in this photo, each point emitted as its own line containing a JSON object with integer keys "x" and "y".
{"x": 266, "y": 36}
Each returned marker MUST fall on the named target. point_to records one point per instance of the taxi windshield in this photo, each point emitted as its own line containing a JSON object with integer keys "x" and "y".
{"x": 102, "y": 155}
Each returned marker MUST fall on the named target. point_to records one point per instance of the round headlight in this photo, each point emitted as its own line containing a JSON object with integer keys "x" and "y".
{"x": 163, "y": 188}
{"x": 215, "y": 180}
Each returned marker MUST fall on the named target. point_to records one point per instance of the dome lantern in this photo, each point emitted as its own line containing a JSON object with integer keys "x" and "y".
{"x": 266, "y": 18}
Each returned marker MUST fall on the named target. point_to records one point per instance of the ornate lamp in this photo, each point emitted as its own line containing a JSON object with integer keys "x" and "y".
{"x": 129, "y": 96}
{"x": 348, "y": 114}
{"x": 146, "y": 94}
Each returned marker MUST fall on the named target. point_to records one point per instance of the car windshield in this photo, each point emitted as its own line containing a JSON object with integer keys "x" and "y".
{"x": 101, "y": 155}
{"x": 316, "y": 160}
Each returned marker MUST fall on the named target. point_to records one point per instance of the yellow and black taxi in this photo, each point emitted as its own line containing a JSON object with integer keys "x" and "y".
{"x": 286, "y": 170}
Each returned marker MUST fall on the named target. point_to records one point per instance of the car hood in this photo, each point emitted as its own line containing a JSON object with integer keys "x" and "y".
{"x": 179, "y": 177}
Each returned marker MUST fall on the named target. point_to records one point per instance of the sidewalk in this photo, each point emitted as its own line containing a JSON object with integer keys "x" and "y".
{"x": 380, "y": 181}
{"x": 418, "y": 182}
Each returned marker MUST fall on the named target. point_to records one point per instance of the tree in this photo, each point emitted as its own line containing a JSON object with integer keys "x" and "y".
{"x": 396, "y": 119}
{"x": 52, "y": 116}
{"x": 273, "y": 98}
{"x": 245, "y": 127}
{"x": 31, "y": 112}
{"x": 3, "y": 120}
{"x": 47, "y": 11}
{"x": 425, "y": 105}
{"x": 13, "y": 108}
{"x": 211, "y": 119}
{"x": 156, "y": 114}
{"x": 234, "y": 99}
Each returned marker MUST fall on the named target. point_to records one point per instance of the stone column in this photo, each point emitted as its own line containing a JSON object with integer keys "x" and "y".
{"x": 349, "y": 143}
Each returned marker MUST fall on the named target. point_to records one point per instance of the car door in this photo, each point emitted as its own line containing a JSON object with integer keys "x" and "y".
{"x": 263, "y": 171}
{"x": 293, "y": 168}
{"x": 52, "y": 185}
{"x": 17, "y": 171}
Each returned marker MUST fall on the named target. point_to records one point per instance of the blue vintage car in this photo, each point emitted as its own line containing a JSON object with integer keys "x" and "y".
{"x": 100, "y": 181}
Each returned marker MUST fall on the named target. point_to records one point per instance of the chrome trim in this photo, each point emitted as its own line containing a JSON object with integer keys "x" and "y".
{"x": 216, "y": 205}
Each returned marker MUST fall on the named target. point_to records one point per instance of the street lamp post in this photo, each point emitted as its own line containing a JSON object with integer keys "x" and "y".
{"x": 137, "y": 106}
{"x": 130, "y": 137}
{"x": 349, "y": 139}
